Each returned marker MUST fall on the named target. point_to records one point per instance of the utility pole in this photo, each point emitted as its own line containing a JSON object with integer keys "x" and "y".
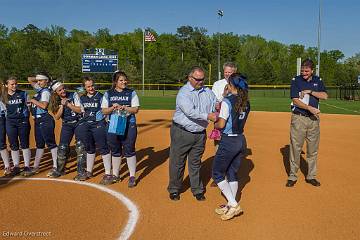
{"x": 318, "y": 43}
{"x": 220, "y": 15}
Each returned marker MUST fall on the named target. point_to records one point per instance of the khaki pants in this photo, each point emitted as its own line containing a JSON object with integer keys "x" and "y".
{"x": 304, "y": 128}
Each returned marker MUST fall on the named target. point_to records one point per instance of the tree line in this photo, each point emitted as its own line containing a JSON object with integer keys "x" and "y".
{"x": 24, "y": 52}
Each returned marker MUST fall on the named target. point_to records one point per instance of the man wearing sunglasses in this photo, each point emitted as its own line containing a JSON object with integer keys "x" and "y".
{"x": 195, "y": 106}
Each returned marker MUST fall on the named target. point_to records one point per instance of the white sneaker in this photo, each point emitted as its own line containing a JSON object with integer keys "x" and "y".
{"x": 232, "y": 212}
{"x": 221, "y": 209}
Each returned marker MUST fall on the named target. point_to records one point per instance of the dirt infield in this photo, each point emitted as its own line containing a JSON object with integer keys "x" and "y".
{"x": 272, "y": 211}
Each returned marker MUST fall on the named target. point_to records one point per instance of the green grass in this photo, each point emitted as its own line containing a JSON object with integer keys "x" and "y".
{"x": 270, "y": 104}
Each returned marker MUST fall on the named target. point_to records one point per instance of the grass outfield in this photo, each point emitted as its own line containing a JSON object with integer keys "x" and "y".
{"x": 270, "y": 104}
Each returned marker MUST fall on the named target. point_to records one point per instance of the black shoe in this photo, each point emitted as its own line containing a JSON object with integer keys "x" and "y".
{"x": 174, "y": 196}
{"x": 313, "y": 182}
{"x": 290, "y": 183}
{"x": 200, "y": 197}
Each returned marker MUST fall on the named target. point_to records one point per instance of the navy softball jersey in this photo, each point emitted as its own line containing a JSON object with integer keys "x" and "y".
{"x": 129, "y": 98}
{"x": 2, "y": 126}
{"x": 232, "y": 146}
{"x": 17, "y": 120}
{"x": 44, "y": 122}
{"x": 70, "y": 119}
{"x": 92, "y": 127}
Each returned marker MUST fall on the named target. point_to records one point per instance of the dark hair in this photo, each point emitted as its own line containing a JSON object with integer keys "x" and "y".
{"x": 239, "y": 81}
{"x": 55, "y": 99}
{"x": 308, "y": 63}
{"x": 85, "y": 79}
{"x": 4, "y": 89}
{"x": 116, "y": 76}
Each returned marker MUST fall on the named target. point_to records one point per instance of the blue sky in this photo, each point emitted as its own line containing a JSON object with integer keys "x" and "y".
{"x": 286, "y": 21}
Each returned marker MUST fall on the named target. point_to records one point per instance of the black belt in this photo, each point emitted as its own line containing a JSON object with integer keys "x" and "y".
{"x": 302, "y": 114}
{"x": 182, "y": 128}
{"x": 311, "y": 116}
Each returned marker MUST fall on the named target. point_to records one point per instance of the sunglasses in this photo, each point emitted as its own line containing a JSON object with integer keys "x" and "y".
{"x": 198, "y": 79}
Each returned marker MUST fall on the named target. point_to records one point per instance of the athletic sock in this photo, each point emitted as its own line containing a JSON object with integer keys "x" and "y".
{"x": 234, "y": 187}
{"x": 5, "y": 157}
{"x": 116, "y": 162}
{"x": 54, "y": 156}
{"x": 226, "y": 190}
{"x": 131, "y": 162}
{"x": 38, "y": 156}
{"x": 90, "y": 160}
{"x": 15, "y": 157}
{"x": 26, "y": 155}
{"x": 107, "y": 163}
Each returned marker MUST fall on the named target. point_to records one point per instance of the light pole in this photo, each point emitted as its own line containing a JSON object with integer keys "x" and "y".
{"x": 318, "y": 43}
{"x": 220, "y": 15}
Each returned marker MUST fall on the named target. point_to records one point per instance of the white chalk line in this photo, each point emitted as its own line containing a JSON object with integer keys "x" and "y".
{"x": 340, "y": 107}
{"x": 133, "y": 210}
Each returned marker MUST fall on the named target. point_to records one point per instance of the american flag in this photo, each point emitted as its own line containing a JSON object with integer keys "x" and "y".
{"x": 149, "y": 37}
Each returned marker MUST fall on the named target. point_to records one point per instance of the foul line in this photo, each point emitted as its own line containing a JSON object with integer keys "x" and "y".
{"x": 340, "y": 108}
{"x": 133, "y": 210}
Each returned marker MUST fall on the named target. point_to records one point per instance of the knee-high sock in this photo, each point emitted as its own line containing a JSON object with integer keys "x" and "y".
{"x": 107, "y": 163}
{"x": 26, "y": 155}
{"x": 5, "y": 157}
{"x": 38, "y": 156}
{"x": 90, "y": 159}
{"x": 116, "y": 162}
{"x": 226, "y": 190}
{"x": 15, "y": 157}
{"x": 234, "y": 187}
{"x": 54, "y": 156}
{"x": 131, "y": 162}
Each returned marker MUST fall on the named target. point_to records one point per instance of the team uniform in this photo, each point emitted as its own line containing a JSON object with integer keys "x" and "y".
{"x": 44, "y": 129}
{"x": 92, "y": 131}
{"x": 232, "y": 148}
{"x": 304, "y": 125}
{"x": 3, "y": 150}
{"x": 122, "y": 145}
{"x": 18, "y": 128}
{"x": 70, "y": 122}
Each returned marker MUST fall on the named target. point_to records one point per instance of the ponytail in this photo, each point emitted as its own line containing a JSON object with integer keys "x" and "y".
{"x": 239, "y": 82}
{"x": 54, "y": 102}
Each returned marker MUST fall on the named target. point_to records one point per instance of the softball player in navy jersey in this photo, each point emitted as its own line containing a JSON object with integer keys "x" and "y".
{"x": 3, "y": 149}
{"x": 17, "y": 124}
{"x": 121, "y": 98}
{"x": 234, "y": 111}
{"x": 44, "y": 122}
{"x": 66, "y": 105}
{"x": 92, "y": 130}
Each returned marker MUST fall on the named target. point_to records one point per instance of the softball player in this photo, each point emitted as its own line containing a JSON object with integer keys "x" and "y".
{"x": 66, "y": 105}
{"x": 44, "y": 122}
{"x": 17, "y": 124}
{"x": 234, "y": 111}
{"x": 92, "y": 130}
{"x": 3, "y": 149}
{"x": 121, "y": 98}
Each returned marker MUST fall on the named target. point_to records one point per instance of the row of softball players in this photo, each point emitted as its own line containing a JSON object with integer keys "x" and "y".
{"x": 85, "y": 117}
{"x": 15, "y": 113}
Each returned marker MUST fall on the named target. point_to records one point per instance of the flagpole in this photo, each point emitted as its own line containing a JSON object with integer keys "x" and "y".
{"x": 143, "y": 63}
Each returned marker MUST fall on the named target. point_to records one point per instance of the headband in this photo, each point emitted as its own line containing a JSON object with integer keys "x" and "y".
{"x": 41, "y": 77}
{"x": 56, "y": 85}
{"x": 240, "y": 82}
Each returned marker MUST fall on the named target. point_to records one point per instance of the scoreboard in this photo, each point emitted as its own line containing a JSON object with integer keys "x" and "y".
{"x": 99, "y": 60}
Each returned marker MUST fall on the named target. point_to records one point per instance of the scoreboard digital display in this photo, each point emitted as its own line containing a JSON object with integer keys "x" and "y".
{"x": 99, "y": 60}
